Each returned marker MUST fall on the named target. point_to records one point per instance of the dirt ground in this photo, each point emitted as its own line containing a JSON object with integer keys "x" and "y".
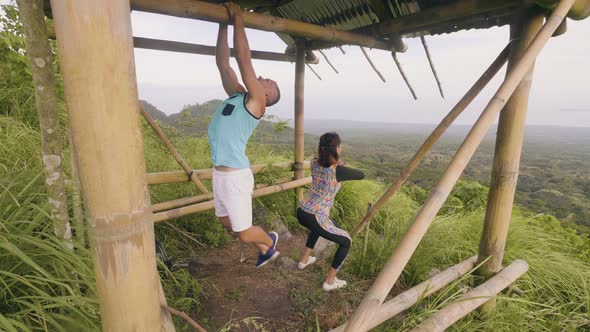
{"x": 277, "y": 297}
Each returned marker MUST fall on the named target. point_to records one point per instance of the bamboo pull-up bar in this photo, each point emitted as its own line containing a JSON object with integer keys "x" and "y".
{"x": 193, "y": 177}
{"x": 479, "y": 85}
{"x": 448, "y": 315}
{"x": 202, "y": 10}
{"x": 410, "y": 297}
{"x": 439, "y": 194}
{"x": 192, "y": 209}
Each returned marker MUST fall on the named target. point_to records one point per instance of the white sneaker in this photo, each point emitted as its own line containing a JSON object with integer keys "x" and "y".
{"x": 335, "y": 285}
{"x": 310, "y": 260}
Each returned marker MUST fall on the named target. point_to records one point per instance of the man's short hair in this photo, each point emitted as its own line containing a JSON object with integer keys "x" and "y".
{"x": 277, "y": 98}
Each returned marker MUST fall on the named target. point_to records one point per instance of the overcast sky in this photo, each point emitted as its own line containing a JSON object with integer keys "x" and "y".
{"x": 560, "y": 92}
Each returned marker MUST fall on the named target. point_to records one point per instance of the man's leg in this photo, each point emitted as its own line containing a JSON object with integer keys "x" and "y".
{"x": 257, "y": 237}
{"x": 225, "y": 222}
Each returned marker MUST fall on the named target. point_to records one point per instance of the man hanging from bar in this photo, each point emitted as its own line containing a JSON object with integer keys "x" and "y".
{"x": 229, "y": 131}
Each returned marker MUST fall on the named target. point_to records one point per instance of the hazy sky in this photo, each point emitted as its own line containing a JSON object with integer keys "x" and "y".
{"x": 560, "y": 92}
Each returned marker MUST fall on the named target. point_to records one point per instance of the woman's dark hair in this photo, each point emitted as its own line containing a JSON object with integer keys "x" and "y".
{"x": 328, "y": 149}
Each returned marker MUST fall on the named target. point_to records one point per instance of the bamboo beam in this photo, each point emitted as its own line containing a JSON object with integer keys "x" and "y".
{"x": 163, "y": 206}
{"x": 218, "y": 14}
{"x": 299, "y": 119}
{"x": 43, "y": 76}
{"x": 192, "y": 209}
{"x": 193, "y": 177}
{"x": 509, "y": 138}
{"x": 431, "y": 63}
{"x": 396, "y": 263}
{"x": 410, "y": 297}
{"x": 204, "y": 174}
{"x": 473, "y": 92}
{"x": 96, "y": 61}
{"x": 450, "y": 314}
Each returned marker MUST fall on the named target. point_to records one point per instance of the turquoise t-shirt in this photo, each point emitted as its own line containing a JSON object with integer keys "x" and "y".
{"x": 229, "y": 131}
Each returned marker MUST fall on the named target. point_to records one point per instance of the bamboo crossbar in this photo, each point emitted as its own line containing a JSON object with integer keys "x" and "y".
{"x": 204, "y": 11}
{"x": 163, "y": 206}
{"x": 191, "y": 209}
{"x": 410, "y": 297}
{"x": 174, "y": 46}
{"x": 450, "y": 314}
{"x": 396, "y": 263}
{"x": 172, "y": 149}
{"x": 204, "y": 174}
{"x": 180, "y": 47}
{"x": 473, "y": 92}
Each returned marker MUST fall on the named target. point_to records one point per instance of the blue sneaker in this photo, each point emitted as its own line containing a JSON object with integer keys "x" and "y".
{"x": 275, "y": 239}
{"x": 270, "y": 255}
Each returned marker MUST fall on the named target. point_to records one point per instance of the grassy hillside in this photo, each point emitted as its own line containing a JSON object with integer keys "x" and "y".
{"x": 45, "y": 286}
{"x": 557, "y": 287}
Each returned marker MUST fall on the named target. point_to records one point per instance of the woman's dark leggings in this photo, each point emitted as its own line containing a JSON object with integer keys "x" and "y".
{"x": 315, "y": 231}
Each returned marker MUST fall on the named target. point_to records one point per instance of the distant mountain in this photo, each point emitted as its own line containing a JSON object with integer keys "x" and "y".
{"x": 194, "y": 120}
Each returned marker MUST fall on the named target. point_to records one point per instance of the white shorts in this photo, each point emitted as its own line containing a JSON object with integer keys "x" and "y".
{"x": 232, "y": 192}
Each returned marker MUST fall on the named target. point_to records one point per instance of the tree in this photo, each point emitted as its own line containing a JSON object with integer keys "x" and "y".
{"x": 44, "y": 84}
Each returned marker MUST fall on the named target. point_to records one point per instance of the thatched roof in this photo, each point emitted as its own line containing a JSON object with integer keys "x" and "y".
{"x": 406, "y": 17}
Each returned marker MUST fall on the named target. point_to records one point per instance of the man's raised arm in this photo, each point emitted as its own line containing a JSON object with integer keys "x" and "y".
{"x": 229, "y": 78}
{"x": 257, "y": 95}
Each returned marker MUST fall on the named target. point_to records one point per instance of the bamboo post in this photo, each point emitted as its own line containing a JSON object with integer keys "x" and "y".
{"x": 78, "y": 211}
{"x": 410, "y": 297}
{"x": 205, "y": 174}
{"x": 42, "y": 72}
{"x": 192, "y": 209}
{"x": 473, "y": 92}
{"x": 299, "y": 111}
{"x": 96, "y": 59}
{"x": 431, "y": 63}
{"x": 193, "y": 177}
{"x": 396, "y": 263}
{"x": 372, "y": 64}
{"x": 401, "y": 71}
{"x": 450, "y": 314}
{"x": 509, "y": 140}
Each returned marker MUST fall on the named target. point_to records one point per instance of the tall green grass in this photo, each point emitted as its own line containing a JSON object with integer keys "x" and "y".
{"x": 557, "y": 285}
{"x": 43, "y": 285}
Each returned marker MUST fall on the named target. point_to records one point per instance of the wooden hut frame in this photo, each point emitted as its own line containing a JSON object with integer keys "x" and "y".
{"x": 109, "y": 150}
